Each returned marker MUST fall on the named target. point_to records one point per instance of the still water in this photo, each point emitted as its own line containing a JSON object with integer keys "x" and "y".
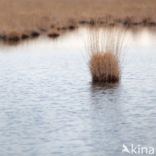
{"x": 49, "y": 107}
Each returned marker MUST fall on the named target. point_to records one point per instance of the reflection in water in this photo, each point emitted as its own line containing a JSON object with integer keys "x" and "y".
{"x": 108, "y": 118}
{"x": 99, "y": 90}
{"x": 98, "y": 86}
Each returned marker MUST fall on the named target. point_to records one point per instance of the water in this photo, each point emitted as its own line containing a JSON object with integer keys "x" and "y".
{"x": 48, "y": 105}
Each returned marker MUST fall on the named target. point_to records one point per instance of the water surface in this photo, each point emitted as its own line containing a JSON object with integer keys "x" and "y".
{"x": 48, "y": 105}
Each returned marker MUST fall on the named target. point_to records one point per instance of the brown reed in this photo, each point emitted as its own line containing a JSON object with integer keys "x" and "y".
{"x": 105, "y": 52}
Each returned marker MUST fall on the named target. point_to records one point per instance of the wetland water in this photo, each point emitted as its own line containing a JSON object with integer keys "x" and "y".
{"x": 48, "y": 105}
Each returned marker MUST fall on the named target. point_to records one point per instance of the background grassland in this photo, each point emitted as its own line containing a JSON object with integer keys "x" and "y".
{"x": 28, "y": 15}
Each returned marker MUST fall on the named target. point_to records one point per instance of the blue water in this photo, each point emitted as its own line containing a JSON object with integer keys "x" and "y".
{"x": 49, "y": 107}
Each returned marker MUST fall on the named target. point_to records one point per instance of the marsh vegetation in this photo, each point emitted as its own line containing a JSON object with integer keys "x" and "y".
{"x": 44, "y": 17}
{"x": 105, "y": 52}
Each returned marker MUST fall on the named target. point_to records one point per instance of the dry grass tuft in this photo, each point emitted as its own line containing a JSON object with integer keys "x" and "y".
{"x": 3, "y": 37}
{"x": 53, "y": 34}
{"x": 104, "y": 67}
{"x": 35, "y": 34}
{"x": 71, "y": 27}
{"x": 13, "y": 36}
{"x": 24, "y": 36}
{"x": 105, "y": 56}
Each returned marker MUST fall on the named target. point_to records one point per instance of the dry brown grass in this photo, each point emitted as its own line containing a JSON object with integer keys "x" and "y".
{"x": 13, "y": 36}
{"x": 104, "y": 67}
{"x": 65, "y": 15}
{"x": 53, "y": 34}
{"x": 105, "y": 56}
{"x": 27, "y": 15}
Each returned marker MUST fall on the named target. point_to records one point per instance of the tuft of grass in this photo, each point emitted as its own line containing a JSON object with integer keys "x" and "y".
{"x": 104, "y": 67}
{"x": 71, "y": 27}
{"x": 24, "y": 36}
{"x": 54, "y": 33}
{"x": 3, "y": 37}
{"x": 13, "y": 36}
{"x": 35, "y": 34}
{"x": 105, "y": 52}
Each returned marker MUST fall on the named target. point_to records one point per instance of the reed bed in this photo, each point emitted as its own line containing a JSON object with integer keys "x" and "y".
{"x": 25, "y": 15}
{"x": 105, "y": 55}
{"x": 42, "y": 16}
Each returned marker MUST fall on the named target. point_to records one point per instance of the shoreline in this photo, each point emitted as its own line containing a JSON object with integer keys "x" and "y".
{"x": 15, "y": 37}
